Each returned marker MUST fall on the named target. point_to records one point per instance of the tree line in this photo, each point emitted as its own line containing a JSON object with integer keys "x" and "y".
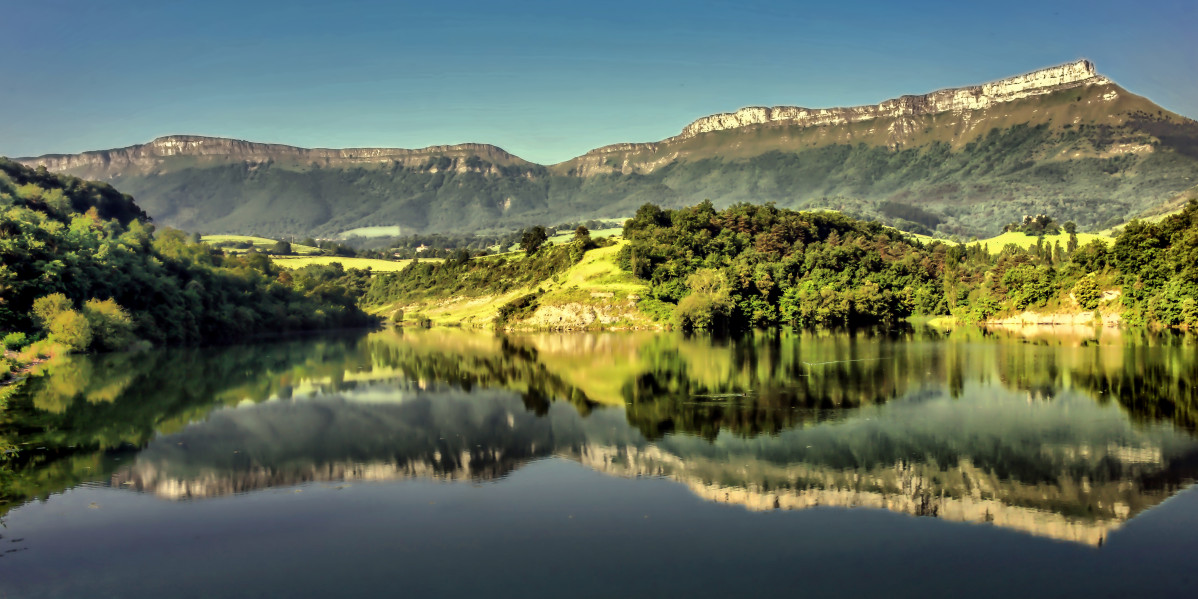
{"x": 83, "y": 268}
{"x": 759, "y": 265}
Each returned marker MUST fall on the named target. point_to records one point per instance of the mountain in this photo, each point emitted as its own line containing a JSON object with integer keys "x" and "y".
{"x": 1062, "y": 140}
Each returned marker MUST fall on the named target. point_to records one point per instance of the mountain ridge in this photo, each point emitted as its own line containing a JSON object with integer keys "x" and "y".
{"x": 169, "y": 146}
{"x": 974, "y": 97}
{"x": 1062, "y": 139}
{"x": 1037, "y": 82}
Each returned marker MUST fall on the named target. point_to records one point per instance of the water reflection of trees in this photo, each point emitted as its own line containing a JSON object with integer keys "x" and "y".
{"x": 76, "y": 421}
{"x": 767, "y": 383}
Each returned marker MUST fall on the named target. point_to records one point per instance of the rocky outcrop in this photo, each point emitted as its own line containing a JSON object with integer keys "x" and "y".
{"x": 900, "y": 117}
{"x": 976, "y": 97}
{"x": 146, "y": 157}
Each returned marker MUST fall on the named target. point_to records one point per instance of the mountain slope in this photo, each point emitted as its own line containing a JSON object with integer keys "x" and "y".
{"x": 1062, "y": 140}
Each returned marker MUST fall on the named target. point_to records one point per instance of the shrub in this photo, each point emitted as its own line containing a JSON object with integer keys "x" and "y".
{"x": 1029, "y": 285}
{"x": 71, "y": 329}
{"x": 983, "y": 308}
{"x": 708, "y": 306}
{"x": 397, "y": 317}
{"x": 517, "y": 309}
{"x": 1087, "y": 293}
{"x": 15, "y": 341}
{"x": 111, "y": 326}
{"x": 47, "y": 308}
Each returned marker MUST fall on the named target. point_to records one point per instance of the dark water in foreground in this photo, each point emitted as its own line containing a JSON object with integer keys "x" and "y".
{"x": 445, "y": 463}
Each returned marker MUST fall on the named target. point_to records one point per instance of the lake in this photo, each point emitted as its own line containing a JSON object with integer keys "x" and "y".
{"x": 891, "y": 463}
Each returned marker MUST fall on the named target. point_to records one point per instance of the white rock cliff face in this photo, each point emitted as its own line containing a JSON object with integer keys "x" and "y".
{"x": 149, "y": 155}
{"x": 949, "y": 100}
{"x": 902, "y": 111}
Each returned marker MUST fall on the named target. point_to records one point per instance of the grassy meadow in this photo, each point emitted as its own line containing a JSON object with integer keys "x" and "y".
{"x": 261, "y": 243}
{"x": 995, "y": 244}
{"x": 595, "y": 281}
{"x": 294, "y": 262}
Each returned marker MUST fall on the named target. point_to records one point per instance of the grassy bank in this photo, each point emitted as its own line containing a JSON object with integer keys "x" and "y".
{"x": 593, "y": 293}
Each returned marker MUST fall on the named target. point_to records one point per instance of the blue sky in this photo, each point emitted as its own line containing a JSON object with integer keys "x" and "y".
{"x": 544, "y": 80}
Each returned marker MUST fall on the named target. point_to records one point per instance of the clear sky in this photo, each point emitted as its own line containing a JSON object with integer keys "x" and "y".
{"x": 544, "y": 80}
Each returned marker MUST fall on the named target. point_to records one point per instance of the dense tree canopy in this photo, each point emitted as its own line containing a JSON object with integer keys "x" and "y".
{"x": 111, "y": 277}
{"x": 757, "y": 265}
{"x": 754, "y": 265}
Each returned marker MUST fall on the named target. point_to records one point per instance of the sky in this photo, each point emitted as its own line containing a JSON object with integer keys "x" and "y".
{"x": 544, "y": 80}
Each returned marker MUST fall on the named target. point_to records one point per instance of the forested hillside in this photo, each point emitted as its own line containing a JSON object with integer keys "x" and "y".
{"x": 83, "y": 268}
{"x": 753, "y": 265}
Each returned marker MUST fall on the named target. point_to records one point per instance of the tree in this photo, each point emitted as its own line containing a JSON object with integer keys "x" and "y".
{"x": 1087, "y": 293}
{"x": 71, "y": 329}
{"x": 281, "y": 248}
{"x": 533, "y": 239}
{"x": 47, "y": 308}
{"x": 111, "y": 325}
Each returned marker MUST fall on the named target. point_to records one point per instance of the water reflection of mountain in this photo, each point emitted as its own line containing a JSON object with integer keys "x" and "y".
{"x": 1016, "y": 432}
{"x": 966, "y": 459}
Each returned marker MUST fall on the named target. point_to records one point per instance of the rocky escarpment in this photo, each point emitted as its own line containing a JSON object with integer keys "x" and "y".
{"x": 901, "y": 114}
{"x": 976, "y": 97}
{"x": 149, "y": 156}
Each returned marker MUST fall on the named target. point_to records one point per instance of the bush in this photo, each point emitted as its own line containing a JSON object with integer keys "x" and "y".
{"x": 397, "y": 317}
{"x": 517, "y": 309}
{"x": 47, "y": 308}
{"x": 15, "y": 341}
{"x": 1087, "y": 293}
{"x": 111, "y": 326}
{"x": 709, "y": 305}
{"x": 71, "y": 329}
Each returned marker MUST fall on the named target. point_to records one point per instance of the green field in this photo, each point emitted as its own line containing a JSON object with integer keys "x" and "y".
{"x": 568, "y": 236}
{"x": 260, "y": 243}
{"x": 995, "y": 244}
{"x": 595, "y": 234}
{"x": 294, "y": 262}
{"x": 372, "y": 232}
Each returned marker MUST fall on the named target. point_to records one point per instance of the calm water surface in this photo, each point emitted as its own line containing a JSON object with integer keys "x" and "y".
{"x": 447, "y": 463}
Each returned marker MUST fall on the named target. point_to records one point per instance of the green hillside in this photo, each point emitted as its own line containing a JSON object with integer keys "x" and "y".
{"x": 82, "y": 269}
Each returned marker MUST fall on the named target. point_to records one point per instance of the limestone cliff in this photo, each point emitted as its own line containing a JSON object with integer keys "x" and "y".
{"x": 976, "y": 97}
{"x": 899, "y": 117}
{"x": 150, "y": 156}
